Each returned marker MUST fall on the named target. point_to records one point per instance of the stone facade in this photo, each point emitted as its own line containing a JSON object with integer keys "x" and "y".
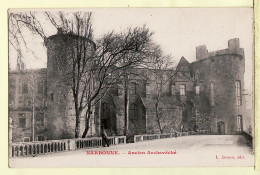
{"x": 205, "y": 95}
{"x": 28, "y": 103}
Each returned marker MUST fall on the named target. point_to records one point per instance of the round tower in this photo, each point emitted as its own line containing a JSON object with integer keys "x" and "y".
{"x": 222, "y": 74}
{"x": 61, "y": 117}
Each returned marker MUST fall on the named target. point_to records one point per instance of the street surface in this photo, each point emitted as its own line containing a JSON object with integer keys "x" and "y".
{"x": 203, "y": 150}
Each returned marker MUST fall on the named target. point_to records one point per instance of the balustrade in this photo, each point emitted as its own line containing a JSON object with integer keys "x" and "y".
{"x": 51, "y": 146}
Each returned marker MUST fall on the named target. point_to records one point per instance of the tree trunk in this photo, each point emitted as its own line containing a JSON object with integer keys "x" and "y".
{"x": 88, "y": 113}
{"x": 77, "y": 127}
{"x": 157, "y": 116}
{"x": 126, "y": 103}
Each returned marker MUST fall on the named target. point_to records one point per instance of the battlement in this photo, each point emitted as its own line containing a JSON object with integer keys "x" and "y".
{"x": 233, "y": 48}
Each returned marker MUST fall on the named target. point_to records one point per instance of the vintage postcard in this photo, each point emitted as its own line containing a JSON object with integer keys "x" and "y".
{"x": 131, "y": 87}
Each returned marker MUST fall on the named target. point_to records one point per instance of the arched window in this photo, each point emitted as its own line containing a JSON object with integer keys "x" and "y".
{"x": 133, "y": 112}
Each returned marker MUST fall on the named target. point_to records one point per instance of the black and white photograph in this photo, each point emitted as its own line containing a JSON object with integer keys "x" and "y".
{"x": 131, "y": 87}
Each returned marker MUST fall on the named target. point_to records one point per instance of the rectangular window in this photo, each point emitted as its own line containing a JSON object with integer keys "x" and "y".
{"x": 147, "y": 90}
{"x": 212, "y": 95}
{"x": 133, "y": 112}
{"x": 182, "y": 89}
{"x": 132, "y": 89}
{"x": 40, "y": 88}
{"x": 239, "y": 123}
{"x": 20, "y": 87}
{"x": 39, "y": 119}
{"x": 172, "y": 89}
{"x": 25, "y": 87}
{"x": 29, "y": 103}
{"x": 238, "y": 93}
{"x": 21, "y": 100}
{"x": 197, "y": 90}
{"x": 22, "y": 120}
{"x": 52, "y": 96}
{"x": 40, "y": 138}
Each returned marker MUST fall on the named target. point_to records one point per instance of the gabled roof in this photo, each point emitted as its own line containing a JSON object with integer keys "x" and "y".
{"x": 183, "y": 71}
{"x": 183, "y": 65}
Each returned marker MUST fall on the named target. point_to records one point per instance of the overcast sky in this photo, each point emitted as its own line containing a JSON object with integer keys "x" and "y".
{"x": 178, "y": 31}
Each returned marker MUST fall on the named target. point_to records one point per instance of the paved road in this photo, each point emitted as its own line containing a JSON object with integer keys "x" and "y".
{"x": 214, "y": 150}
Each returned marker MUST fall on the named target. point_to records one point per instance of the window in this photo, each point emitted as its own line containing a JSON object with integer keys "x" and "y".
{"x": 133, "y": 112}
{"x": 20, "y": 99}
{"x": 172, "y": 89}
{"x": 147, "y": 89}
{"x": 239, "y": 123}
{"x": 26, "y": 139}
{"x": 132, "y": 89}
{"x": 52, "y": 96}
{"x": 25, "y": 87}
{"x": 182, "y": 89}
{"x": 20, "y": 87}
{"x": 29, "y": 103}
{"x": 40, "y": 88}
{"x": 238, "y": 93}
{"x": 40, "y": 138}
{"x": 22, "y": 120}
{"x": 212, "y": 95}
{"x": 39, "y": 119}
{"x": 197, "y": 90}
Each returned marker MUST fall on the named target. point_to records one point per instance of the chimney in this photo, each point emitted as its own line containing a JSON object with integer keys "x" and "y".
{"x": 201, "y": 52}
{"x": 233, "y": 44}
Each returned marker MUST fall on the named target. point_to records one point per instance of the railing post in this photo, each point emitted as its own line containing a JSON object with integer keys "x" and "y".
{"x": 116, "y": 140}
{"x": 71, "y": 145}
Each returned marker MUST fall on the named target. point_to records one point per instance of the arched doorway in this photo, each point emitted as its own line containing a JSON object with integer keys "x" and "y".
{"x": 221, "y": 128}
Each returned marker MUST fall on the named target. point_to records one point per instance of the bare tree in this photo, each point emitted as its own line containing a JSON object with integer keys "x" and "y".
{"x": 161, "y": 69}
{"x": 95, "y": 66}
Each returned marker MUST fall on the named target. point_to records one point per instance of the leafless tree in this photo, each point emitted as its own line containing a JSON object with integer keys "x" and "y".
{"x": 95, "y": 65}
{"x": 161, "y": 69}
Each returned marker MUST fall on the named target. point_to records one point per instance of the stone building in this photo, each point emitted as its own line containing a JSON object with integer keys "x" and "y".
{"x": 27, "y": 104}
{"x": 204, "y": 96}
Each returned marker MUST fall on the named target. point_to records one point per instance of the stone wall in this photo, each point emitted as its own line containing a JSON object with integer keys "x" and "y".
{"x": 170, "y": 120}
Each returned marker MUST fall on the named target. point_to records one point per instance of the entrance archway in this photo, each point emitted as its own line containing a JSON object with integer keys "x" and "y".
{"x": 221, "y": 128}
